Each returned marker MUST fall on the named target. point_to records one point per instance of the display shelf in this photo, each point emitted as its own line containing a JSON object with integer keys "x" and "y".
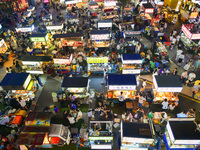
{"x": 126, "y": 94}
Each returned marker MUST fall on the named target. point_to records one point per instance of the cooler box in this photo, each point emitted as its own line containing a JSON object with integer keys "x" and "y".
{"x": 17, "y": 120}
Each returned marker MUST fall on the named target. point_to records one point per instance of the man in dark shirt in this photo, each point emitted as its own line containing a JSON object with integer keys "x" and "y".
{"x": 14, "y": 103}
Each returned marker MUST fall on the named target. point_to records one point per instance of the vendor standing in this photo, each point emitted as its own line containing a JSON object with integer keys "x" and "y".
{"x": 121, "y": 99}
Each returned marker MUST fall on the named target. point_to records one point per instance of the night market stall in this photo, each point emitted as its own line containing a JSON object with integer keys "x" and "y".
{"x": 74, "y": 40}
{"x": 190, "y": 36}
{"x": 136, "y": 136}
{"x": 97, "y": 64}
{"x": 193, "y": 16}
{"x": 118, "y": 83}
{"x": 40, "y": 132}
{"x": 94, "y": 8}
{"x": 78, "y": 86}
{"x": 104, "y": 24}
{"x": 40, "y": 40}
{"x": 100, "y": 38}
{"x": 19, "y": 85}
{"x": 131, "y": 63}
{"x": 148, "y": 8}
{"x": 63, "y": 63}
{"x": 166, "y": 87}
{"x": 100, "y": 134}
{"x": 131, "y": 43}
{"x": 47, "y": 17}
{"x": 73, "y": 17}
{"x": 182, "y": 134}
{"x": 35, "y": 64}
{"x": 129, "y": 29}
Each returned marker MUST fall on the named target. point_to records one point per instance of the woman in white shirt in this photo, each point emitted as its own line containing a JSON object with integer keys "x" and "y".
{"x": 22, "y": 103}
{"x": 172, "y": 106}
{"x": 165, "y": 104}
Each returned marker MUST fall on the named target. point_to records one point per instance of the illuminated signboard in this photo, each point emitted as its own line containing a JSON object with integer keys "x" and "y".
{"x": 187, "y": 142}
{"x": 100, "y": 36}
{"x": 135, "y": 71}
{"x": 97, "y": 60}
{"x": 105, "y": 146}
{"x": 186, "y": 31}
{"x": 137, "y": 140}
{"x": 132, "y": 61}
{"x": 95, "y": 6}
{"x": 195, "y": 36}
{"x": 2, "y": 42}
{"x": 55, "y": 27}
{"x": 193, "y": 15}
{"x": 170, "y": 133}
{"x": 61, "y": 61}
{"x": 124, "y": 87}
{"x": 148, "y": 10}
{"x": 38, "y": 39}
{"x": 71, "y": 2}
{"x": 104, "y": 24}
{"x": 28, "y": 79}
{"x": 100, "y": 138}
{"x": 25, "y": 29}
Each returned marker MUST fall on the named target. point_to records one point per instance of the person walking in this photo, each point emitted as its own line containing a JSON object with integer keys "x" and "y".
{"x": 181, "y": 59}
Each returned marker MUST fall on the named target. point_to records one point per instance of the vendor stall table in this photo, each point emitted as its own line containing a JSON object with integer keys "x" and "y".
{"x": 97, "y": 64}
{"x": 100, "y": 38}
{"x": 19, "y": 85}
{"x": 190, "y": 36}
{"x": 136, "y": 136}
{"x": 71, "y": 18}
{"x": 39, "y": 40}
{"x": 63, "y": 63}
{"x": 168, "y": 87}
{"x": 181, "y": 134}
{"x": 70, "y": 39}
{"x": 34, "y": 64}
{"x": 102, "y": 139}
{"x": 131, "y": 63}
{"x": 121, "y": 82}
{"x": 78, "y": 86}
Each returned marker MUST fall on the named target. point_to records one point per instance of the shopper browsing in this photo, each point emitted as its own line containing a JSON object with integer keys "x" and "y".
{"x": 121, "y": 99}
{"x": 165, "y": 104}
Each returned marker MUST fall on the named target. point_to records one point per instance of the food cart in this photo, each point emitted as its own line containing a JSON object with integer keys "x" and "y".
{"x": 97, "y": 64}
{"x": 63, "y": 63}
{"x": 104, "y": 24}
{"x": 164, "y": 39}
{"x": 40, "y": 39}
{"x": 3, "y": 47}
{"x": 34, "y": 64}
{"x": 100, "y": 38}
{"x": 190, "y": 36}
{"x": 131, "y": 63}
{"x": 38, "y": 131}
{"x": 69, "y": 39}
{"x": 182, "y": 134}
{"x": 102, "y": 139}
{"x": 136, "y": 136}
{"x": 166, "y": 87}
{"x": 78, "y": 86}
{"x": 94, "y": 8}
{"x": 118, "y": 83}
{"x": 19, "y": 85}
{"x": 193, "y": 17}
{"x": 161, "y": 49}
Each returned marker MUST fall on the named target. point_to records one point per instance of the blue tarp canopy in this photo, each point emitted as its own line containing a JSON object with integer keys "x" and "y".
{"x": 14, "y": 81}
{"x": 75, "y": 82}
{"x": 122, "y": 79}
{"x": 131, "y": 57}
